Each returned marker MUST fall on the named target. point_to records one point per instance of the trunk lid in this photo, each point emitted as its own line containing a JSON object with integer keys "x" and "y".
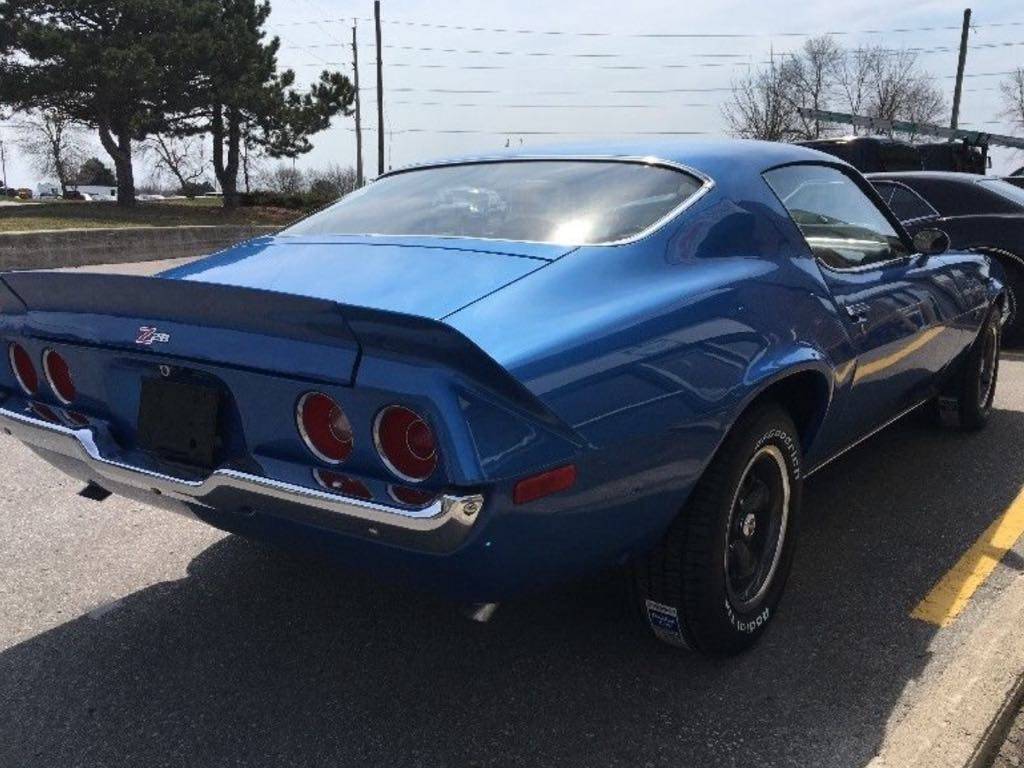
{"x": 430, "y": 277}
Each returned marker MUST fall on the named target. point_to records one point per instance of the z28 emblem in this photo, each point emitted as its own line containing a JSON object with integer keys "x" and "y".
{"x": 150, "y": 336}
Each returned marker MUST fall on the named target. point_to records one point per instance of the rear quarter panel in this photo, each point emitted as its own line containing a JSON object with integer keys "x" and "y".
{"x": 650, "y": 350}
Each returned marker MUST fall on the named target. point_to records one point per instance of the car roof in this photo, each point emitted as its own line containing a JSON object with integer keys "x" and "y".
{"x": 708, "y": 156}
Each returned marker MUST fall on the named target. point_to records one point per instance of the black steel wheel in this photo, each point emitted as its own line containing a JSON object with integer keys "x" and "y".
{"x": 715, "y": 582}
{"x": 968, "y": 400}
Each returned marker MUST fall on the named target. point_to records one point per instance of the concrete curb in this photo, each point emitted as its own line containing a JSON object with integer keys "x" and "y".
{"x": 992, "y": 740}
{"x": 52, "y": 249}
{"x": 952, "y": 715}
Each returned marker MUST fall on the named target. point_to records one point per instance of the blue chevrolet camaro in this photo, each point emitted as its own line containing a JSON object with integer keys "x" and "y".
{"x": 488, "y": 375}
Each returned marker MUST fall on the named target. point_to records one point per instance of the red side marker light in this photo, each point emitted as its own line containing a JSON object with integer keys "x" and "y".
{"x": 545, "y": 484}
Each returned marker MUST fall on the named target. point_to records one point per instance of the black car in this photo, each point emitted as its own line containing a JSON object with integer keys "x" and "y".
{"x": 979, "y": 213}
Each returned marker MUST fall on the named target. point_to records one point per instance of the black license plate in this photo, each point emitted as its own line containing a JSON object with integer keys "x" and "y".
{"x": 178, "y": 421}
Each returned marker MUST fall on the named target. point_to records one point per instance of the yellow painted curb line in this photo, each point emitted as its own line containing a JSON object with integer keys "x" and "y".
{"x": 950, "y": 595}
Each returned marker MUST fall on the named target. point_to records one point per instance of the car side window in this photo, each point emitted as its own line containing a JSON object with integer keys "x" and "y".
{"x": 842, "y": 225}
{"x": 904, "y": 202}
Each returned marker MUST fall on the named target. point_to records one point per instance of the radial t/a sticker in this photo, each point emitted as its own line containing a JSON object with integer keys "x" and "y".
{"x": 664, "y": 620}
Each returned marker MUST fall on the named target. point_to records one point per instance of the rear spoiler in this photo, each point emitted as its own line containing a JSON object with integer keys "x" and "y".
{"x": 249, "y": 328}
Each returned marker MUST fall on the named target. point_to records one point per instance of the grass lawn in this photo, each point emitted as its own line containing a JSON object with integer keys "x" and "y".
{"x": 78, "y": 215}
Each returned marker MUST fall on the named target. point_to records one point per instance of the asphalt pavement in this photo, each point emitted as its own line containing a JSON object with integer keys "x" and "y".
{"x": 131, "y": 637}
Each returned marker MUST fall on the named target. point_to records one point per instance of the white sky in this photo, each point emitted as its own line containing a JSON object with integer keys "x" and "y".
{"x": 515, "y": 85}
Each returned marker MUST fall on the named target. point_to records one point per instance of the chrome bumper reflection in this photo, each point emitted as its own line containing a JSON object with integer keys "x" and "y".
{"x": 440, "y": 527}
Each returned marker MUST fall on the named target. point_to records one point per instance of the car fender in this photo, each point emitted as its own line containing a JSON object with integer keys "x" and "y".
{"x": 783, "y": 363}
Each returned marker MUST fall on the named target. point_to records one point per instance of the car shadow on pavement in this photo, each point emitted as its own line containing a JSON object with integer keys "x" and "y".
{"x": 259, "y": 657}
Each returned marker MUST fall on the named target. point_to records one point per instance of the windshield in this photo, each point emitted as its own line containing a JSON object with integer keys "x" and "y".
{"x": 1005, "y": 189}
{"x": 575, "y": 202}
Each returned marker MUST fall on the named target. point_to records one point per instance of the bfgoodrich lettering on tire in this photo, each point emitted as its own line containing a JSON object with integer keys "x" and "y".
{"x": 715, "y": 582}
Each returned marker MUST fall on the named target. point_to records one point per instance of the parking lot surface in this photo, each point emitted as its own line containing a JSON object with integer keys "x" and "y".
{"x": 132, "y": 637}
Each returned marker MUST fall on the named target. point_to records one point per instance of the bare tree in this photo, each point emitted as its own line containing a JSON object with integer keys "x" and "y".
{"x": 888, "y": 85}
{"x": 331, "y": 182}
{"x": 1012, "y": 90}
{"x": 900, "y": 90}
{"x": 760, "y": 107}
{"x": 812, "y": 83}
{"x": 766, "y": 103}
{"x": 871, "y": 81}
{"x": 183, "y": 159}
{"x": 284, "y": 179}
{"x": 853, "y": 75}
{"x": 53, "y": 144}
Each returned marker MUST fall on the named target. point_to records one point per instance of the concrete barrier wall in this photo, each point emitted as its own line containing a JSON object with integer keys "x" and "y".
{"x": 78, "y": 247}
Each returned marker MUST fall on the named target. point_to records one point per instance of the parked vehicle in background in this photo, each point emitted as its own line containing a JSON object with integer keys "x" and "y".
{"x": 877, "y": 154}
{"x": 98, "y": 193}
{"x": 25, "y": 194}
{"x": 979, "y": 213}
{"x": 582, "y": 359}
{"x": 953, "y": 156}
{"x": 47, "y": 190}
{"x": 870, "y": 154}
{"x": 74, "y": 194}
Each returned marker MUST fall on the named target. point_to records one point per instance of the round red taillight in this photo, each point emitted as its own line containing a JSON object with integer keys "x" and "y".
{"x": 410, "y": 497}
{"x": 336, "y": 483}
{"x": 406, "y": 443}
{"x": 24, "y": 371}
{"x": 59, "y": 375}
{"x": 324, "y": 427}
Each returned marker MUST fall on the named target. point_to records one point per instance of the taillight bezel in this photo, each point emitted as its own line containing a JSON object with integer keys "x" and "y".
{"x": 64, "y": 398}
{"x": 307, "y": 439}
{"x": 434, "y": 459}
{"x": 12, "y": 350}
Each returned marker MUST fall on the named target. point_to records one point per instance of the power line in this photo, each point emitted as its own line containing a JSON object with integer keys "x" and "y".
{"x": 630, "y": 55}
{"x": 657, "y": 35}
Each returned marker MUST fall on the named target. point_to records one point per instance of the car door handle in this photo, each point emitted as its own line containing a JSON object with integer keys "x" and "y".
{"x": 858, "y": 312}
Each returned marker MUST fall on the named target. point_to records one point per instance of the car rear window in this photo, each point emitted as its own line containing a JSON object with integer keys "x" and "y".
{"x": 572, "y": 202}
{"x": 905, "y": 203}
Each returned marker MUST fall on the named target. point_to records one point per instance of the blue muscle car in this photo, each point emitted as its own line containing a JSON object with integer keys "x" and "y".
{"x": 489, "y": 375}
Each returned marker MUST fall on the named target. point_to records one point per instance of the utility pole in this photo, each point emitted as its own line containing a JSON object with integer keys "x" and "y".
{"x": 359, "y": 119}
{"x": 958, "y": 91}
{"x": 380, "y": 93}
{"x": 3, "y": 165}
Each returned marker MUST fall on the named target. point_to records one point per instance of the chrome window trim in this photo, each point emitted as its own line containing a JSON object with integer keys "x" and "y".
{"x": 707, "y": 184}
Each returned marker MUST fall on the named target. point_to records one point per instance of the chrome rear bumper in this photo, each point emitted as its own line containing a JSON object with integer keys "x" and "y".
{"x": 441, "y": 527}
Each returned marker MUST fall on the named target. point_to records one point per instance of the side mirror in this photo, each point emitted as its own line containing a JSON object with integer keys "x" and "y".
{"x": 931, "y": 242}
